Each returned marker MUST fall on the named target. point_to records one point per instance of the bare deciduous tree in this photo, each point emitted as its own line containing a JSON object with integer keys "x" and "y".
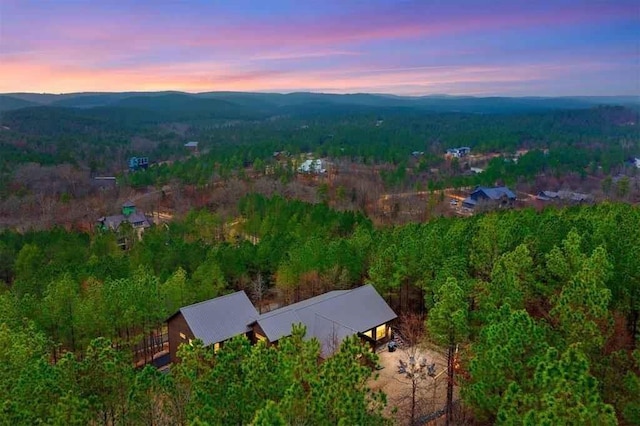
{"x": 258, "y": 289}
{"x": 411, "y": 330}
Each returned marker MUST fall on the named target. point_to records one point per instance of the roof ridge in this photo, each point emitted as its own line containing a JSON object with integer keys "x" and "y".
{"x": 215, "y": 298}
{"x": 288, "y": 307}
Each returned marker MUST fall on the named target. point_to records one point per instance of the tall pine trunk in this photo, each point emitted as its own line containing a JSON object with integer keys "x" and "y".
{"x": 450, "y": 372}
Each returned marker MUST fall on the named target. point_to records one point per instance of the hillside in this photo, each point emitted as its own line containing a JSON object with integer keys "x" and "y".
{"x": 8, "y": 103}
{"x": 270, "y": 102}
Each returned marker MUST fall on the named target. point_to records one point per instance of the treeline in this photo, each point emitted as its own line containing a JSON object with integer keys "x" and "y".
{"x": 582, "y": 142}
{"x": 241, "y": 384}
{"x": 102, "y": 139}
{"x": 544, "y": 306}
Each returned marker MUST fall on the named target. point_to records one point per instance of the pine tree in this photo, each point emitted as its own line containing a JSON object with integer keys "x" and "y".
{"x": 448, "y": 325}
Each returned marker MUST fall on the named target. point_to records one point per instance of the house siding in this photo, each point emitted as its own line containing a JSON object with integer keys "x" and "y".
{"x": 376, "y": 341}
{"x": 255, "y": 330}
{"x": 177, "y": 324}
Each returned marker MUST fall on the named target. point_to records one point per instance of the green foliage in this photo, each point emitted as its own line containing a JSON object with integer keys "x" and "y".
{"x": 562, "y": 392}
{"x": 286, "y": 385}
{"x": 581, "y": 309}
{"x": 27, "y": 268}
{"x": 511, "y": 279}
{"x": 268, "y": 416}
{"x": 505, "y": 288}
{"x": 208, "y": 280}
{"x": 507, "y": 351}
{"x": 448, "y": 321}
{"x": 631, "y": 410}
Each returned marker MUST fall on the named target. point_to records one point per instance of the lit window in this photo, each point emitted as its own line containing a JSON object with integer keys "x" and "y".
{"x": 216, "y": 347}
{"x": 191, "y": 342}
{"x": 369, "y": 334}
{"x": 183, "y": 336}
{"x": 260, "y": 337}
{"x": 381, "y": 332}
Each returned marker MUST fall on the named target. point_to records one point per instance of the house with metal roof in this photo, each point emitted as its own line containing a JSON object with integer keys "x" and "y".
{"x": 569, "y": 196}
{"x": 129, "y": 215}
{"x": 500, "y": 196}
{"x": 212, "y": 321}
{"x": 192, "y": 146}
{"x": 329, "y": 317}
{"x": 460, "y": 152}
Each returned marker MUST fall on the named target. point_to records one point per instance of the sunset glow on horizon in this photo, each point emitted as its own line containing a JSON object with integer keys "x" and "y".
{"x": 512, "y": 48}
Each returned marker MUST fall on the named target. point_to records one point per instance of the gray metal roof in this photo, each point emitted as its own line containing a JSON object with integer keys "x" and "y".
{"x": 329, "y": 333}
{"x": 495, "y": 193}
{"x": 221, "y": 318}
{"x": 114, "y": 222}
{"x": 136, "y": 217}
{"x": 337, "y": 313}
{"x": 304, "y": 303}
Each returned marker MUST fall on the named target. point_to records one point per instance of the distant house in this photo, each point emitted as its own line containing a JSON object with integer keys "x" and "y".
{"x": 104, "y": 182}
{"x": 129, "y": 215}
{"x": 574, "y": 197}
{"x": 500, "y": 196}
{"x": 463, "y": 151}
{"x": 330, "y": 318}
{"x": 192, "y": 146}
{"x": 137, "y": 163}
{"x": 312, "y": 166}
{"x": 417, "y": 153}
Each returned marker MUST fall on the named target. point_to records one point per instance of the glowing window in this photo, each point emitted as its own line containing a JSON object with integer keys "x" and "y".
{"x": 216, "y": 347}
{"x": 183, "y": 336}
{"x": 260, "y": 337}
{"x": 369, "y": 334}
{"x": 381, "y": 332}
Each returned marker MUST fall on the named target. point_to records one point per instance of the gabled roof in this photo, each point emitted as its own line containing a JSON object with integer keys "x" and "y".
{"x": 495, "y": 193}
{"x": 547, "y": 195}
{"x": 333, "y": 315}
{"x": 138, "y": 218}
{"x": 192, "y": 144}
{"x": 114, "y": 222}
{"x": 277, "y": 323}
{"x": 219, "y": 319}
{"x": 563, "y": 195}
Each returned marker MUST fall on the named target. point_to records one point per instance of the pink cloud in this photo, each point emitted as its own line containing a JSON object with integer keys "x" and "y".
{"x": 139, "y": 51}
{"x": 204, "y": 77}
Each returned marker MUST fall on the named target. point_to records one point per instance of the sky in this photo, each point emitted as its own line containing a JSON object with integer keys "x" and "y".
{"x": 455, "y": 47}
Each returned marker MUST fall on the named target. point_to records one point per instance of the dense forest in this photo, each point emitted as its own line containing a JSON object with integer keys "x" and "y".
{"x": 49, "y": 154}
{"x": 243, "y": 128}
{"x": 543, "y": 306}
